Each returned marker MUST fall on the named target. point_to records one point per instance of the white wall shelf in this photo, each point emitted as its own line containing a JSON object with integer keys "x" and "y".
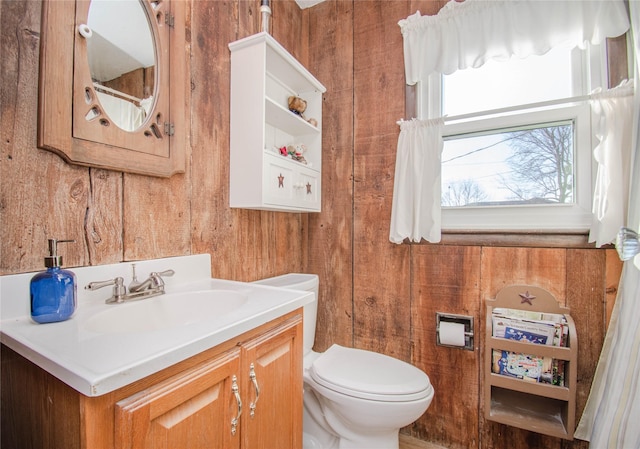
{"x": 263, "y": 77}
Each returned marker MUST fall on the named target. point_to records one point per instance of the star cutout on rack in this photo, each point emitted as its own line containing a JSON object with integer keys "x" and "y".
{"x": 280, "y": 181}
{"x": 308, "y": 188}
{"x": 526, "y": 297}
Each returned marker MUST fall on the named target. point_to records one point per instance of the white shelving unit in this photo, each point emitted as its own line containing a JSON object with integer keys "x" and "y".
{"x": 263, "y": 77}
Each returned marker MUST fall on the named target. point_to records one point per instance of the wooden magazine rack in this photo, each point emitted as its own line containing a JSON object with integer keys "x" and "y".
{"x": 544, "y": 408}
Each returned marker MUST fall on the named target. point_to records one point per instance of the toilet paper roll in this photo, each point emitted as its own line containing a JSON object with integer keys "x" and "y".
{"x": 451, "y": 334}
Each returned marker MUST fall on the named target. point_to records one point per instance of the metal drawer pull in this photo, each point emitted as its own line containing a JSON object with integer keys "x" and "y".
{"x": 252, "y": 376}
{"x": 236, "y": 392}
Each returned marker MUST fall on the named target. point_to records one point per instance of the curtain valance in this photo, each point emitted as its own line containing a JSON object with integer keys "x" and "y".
{"x": 467, "y": 34}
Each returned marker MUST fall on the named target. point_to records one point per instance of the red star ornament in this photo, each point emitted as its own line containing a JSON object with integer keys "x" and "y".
{"x": 526, "y": 297}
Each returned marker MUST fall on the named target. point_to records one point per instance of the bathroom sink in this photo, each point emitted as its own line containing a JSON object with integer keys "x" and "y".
{"x": 166, "y": 311}
{"x": 104, "y": 346}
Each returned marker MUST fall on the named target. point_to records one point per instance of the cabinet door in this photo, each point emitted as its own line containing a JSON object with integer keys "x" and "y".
{"x": 279, "y": 181}
{"x": 193, "y": 409}
{"x": 309, "y": 189}
{"x": 272, "y": 368}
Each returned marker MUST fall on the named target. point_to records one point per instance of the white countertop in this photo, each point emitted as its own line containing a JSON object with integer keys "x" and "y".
{"x": 95, "y": 363}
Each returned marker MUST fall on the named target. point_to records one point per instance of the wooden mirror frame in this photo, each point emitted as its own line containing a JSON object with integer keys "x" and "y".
{"x": 64, "y": 76}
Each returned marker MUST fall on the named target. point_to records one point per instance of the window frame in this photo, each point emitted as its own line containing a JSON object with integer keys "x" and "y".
{"x": 527, "y": 217}
{"x": 589, "y": 72}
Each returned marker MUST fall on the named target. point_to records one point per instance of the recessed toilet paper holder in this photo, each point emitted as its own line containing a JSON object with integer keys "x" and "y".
{"x": 467, "y": 321}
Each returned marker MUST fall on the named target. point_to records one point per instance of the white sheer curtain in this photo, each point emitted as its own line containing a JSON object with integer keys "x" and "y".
{"x": 467, "y": 34}
{"x": 611, "y": 415}
{"x": 612, "y": 119}
{"x": 415, "y": 211}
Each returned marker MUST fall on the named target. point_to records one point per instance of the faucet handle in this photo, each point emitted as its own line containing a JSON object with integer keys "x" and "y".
{"x": 156, "y": 278}
{"x": 135, "y": 285}
{"x": 119, "y": 290}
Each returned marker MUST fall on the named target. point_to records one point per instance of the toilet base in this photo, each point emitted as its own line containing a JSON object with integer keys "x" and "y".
{"x": 310, "y": 442}
{"x": 377, "y": 442}
{"x": 314, "y": 426}
{"x": 318, "y": 436}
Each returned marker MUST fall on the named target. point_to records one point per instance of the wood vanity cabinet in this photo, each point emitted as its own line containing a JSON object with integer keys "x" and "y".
{"x": 192, "y": 404}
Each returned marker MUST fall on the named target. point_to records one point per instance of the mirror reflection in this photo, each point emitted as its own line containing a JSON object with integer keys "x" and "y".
{"x": 121, "y": 53}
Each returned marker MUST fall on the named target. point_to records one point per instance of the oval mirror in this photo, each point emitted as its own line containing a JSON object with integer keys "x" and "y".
{"x": 122, "y": 60}
{"x": 72, "y": 120}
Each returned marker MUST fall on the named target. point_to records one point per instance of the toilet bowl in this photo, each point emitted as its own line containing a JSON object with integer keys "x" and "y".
{"x": 353, "y": 399}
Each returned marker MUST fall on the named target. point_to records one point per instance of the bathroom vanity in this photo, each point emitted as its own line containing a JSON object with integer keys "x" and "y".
{"x": 215, "y": 381}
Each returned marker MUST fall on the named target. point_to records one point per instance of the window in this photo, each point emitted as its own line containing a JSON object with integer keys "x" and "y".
{"x": 517, "y": 151}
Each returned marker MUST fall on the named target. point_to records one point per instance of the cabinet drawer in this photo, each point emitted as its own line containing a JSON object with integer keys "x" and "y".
{"x": 290, "y": 184}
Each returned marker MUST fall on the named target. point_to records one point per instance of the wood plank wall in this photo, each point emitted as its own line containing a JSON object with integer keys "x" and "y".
{"x": 374, "y": 294}
{"x": 122, "y": 217}
{"x": 380, "y": 296}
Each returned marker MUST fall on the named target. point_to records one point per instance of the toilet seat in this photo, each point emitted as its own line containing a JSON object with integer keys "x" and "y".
{"x": 369, "y": 375}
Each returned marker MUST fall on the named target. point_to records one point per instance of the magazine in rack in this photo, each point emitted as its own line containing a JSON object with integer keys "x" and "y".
{"x": 532, "y": 327}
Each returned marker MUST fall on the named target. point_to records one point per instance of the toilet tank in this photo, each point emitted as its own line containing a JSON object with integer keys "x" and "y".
{"x": 308, "y": 283}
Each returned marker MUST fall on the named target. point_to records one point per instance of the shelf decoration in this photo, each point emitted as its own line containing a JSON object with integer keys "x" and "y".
{"x": 297, "y": 105}
{"x": 527, "y": 297}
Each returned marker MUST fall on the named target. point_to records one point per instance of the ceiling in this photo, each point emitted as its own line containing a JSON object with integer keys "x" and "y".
{"x": 121, "y": 40}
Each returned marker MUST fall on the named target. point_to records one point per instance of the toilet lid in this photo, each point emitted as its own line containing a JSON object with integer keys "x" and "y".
{"x": 369, "y": 375}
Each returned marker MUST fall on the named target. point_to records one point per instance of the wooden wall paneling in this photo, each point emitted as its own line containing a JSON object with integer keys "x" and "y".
{"x": 280, "y": 245}
{"x": 156, "y": 216}
{"x": 613, "y": 272}
{"x": 618, "y": 68}
{"x": 586, "y": 292}
{"x": 331, "y": 231}
{"x": 426, "y": 7}
{"x": 446, "y": 279}
{"x": 506, "y": 266}
{"x": 381, "y": 290}
{"x": 381, "y": 304}
{"x": 537, "y": 266}
{"x": 40, "y": 196}
{"x": 214, "y": 25}
{"x": 290, "y": 27}
{"x": 104, "y": 219}
{"x": 245, "y": 17}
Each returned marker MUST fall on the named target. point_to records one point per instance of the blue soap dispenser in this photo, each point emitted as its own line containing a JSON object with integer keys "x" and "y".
{"x": 53, "y": 292}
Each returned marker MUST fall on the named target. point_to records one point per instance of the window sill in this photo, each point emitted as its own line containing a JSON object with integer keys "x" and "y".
{"x": 519, "y": 239}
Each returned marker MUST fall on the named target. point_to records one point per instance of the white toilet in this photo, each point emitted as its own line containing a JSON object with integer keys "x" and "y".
{"x": 353, "y": 398}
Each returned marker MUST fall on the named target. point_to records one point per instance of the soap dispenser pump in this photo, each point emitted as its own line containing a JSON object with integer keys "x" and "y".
{"x": 54, "y": 291}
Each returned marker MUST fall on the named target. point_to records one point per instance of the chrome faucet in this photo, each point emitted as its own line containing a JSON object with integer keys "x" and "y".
{"x": 152, "y": 286}
{"x": 154, "y": 282}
